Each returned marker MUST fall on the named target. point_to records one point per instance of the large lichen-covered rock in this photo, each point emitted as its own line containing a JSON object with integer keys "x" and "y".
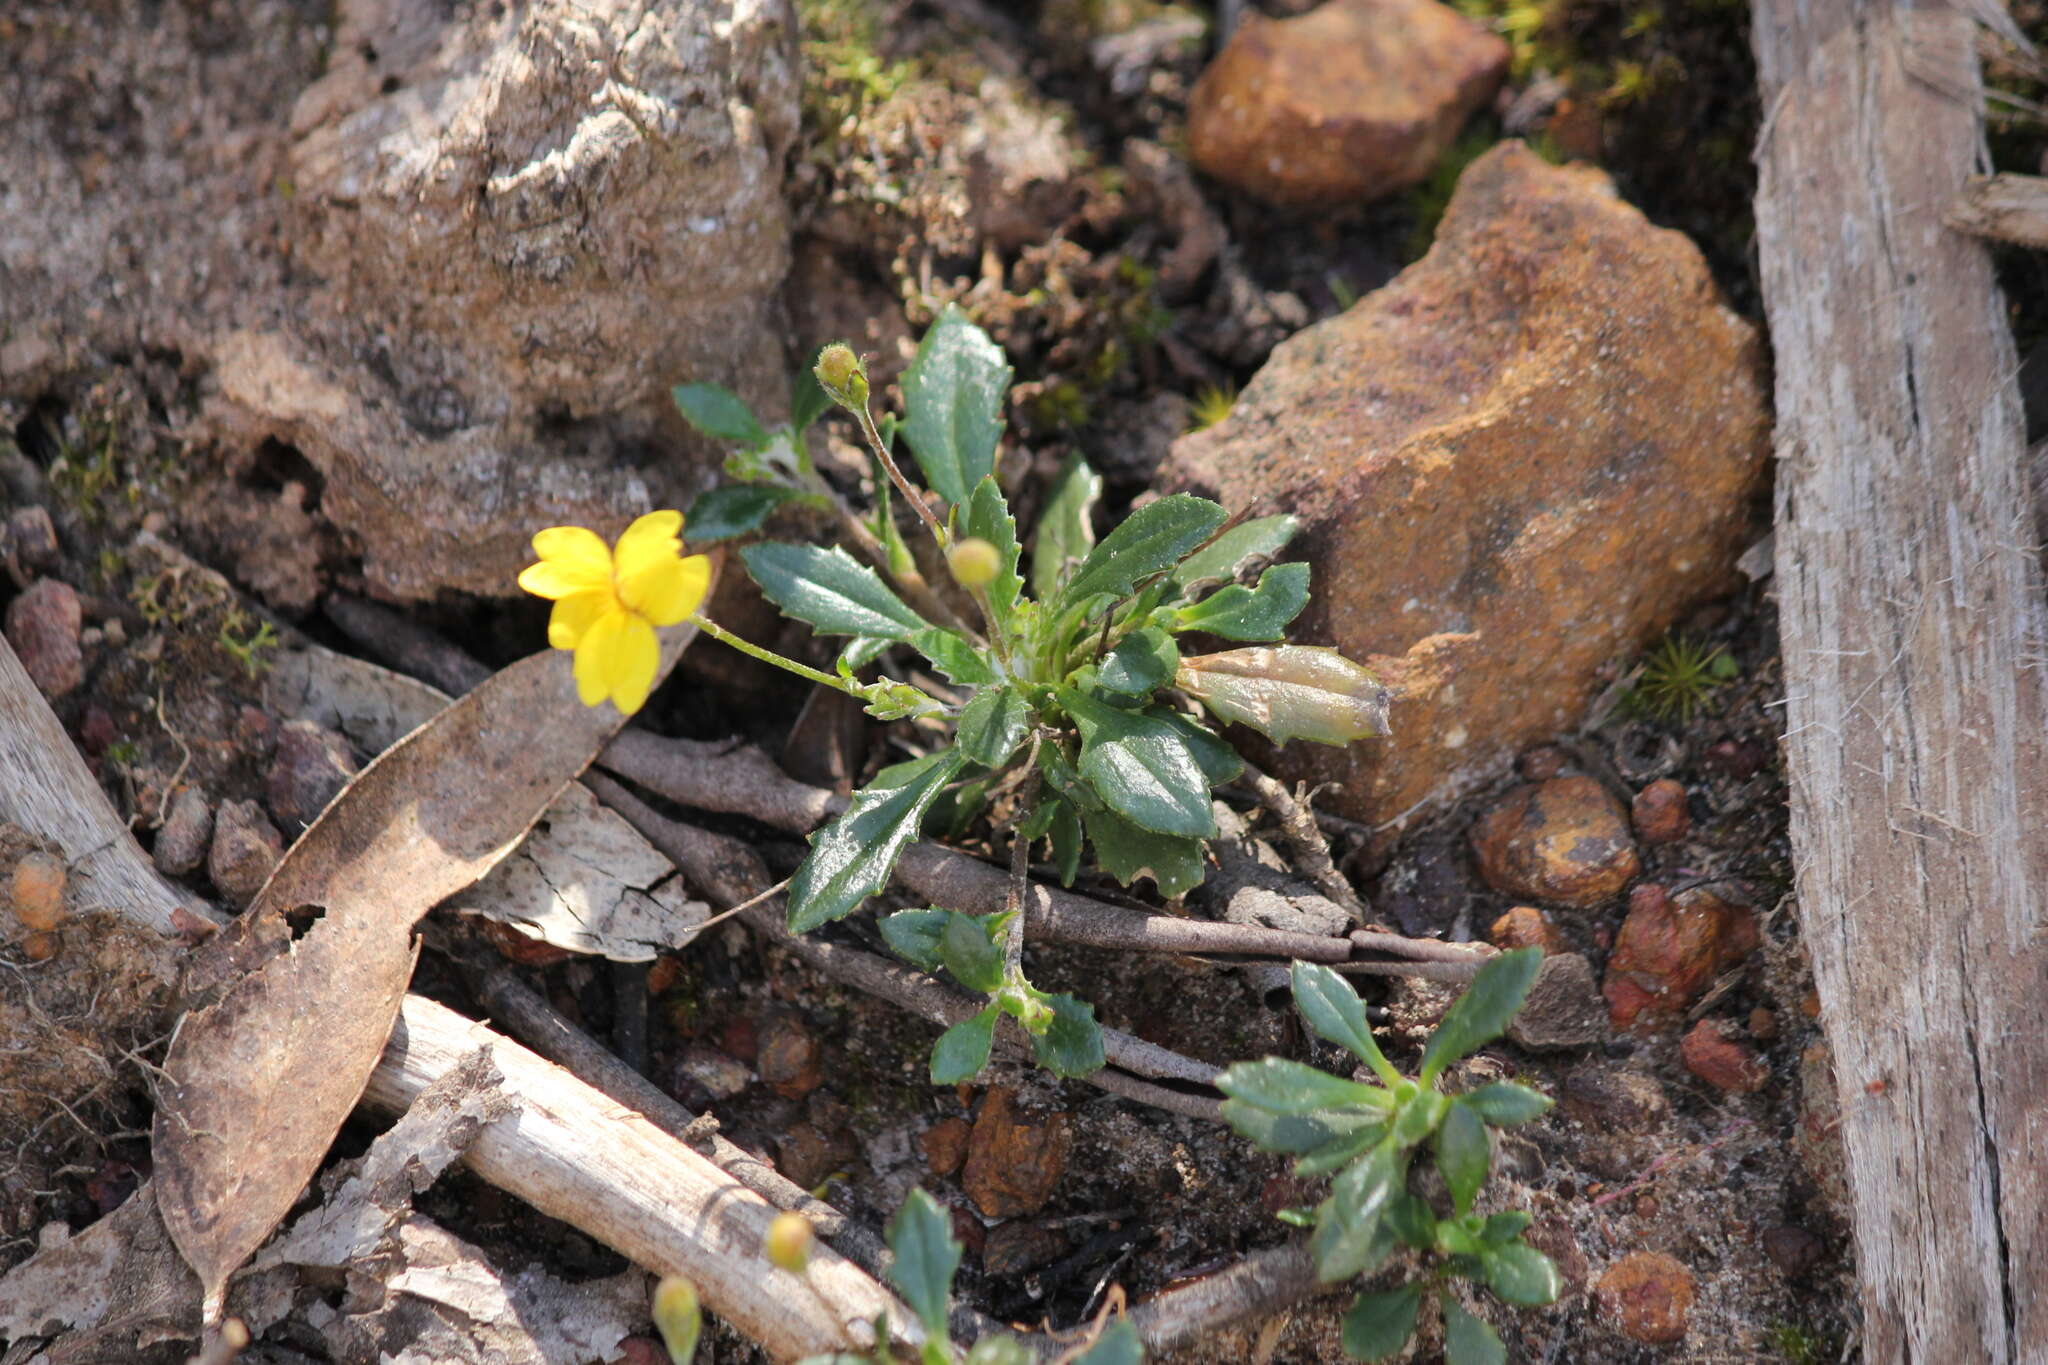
{"x": 1524, "y": 456}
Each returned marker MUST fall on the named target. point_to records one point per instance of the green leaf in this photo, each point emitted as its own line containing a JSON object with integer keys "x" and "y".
{"x": 953, "y": 401}
{"x": 1219, "y": 762}
{"x": 1502, "y": 1228}
{"x": 1148, "y": 541}
{"x": 1351, "y": 1235}
{"x": 1288, "y": 1134}
{"x": 1241, "y": 613}
{"x": 1521, "y": 1274}
{"x": 719, "y": 413}
{"x": 955, "y": 656}
{"x": 914, "y": 935}
{"x": 999, "y": 1349}
{"x": 1290, "y": 1087}
{"x": 1067, "y": 840}
{"x": 1292, "y": 692}
{"x": 1065, "y": 529}
{"x": 1117, "y": 1346}
{"x": 1467, "y": 1340}
{"x": 1332, "y": 1008}
{"x": 861, "y": 651}
{"x": 1464, "y": 1155}
{"x": 1341, "y": 1151}
{"x": 1141, "y": 662}
{"x": 1418, "y": 1118}
{"x": 830, "y": 590}
{"x": 921, "y": 1236}
{"x": 852, "y": 857}
{"x": 1504, "y": 1103}
{"x": 992, "y": 726}
{"x": 1221, "y": 558}
{"x": 1072, "y": 1043}
{"x": 1142, "y": 768}
{"x": 1412, "y": 1221}
{"x": 988, "y": 517}
{"x": 1377, "y": 1325}
{"x": 734, "y": 509}
{"x": 808, "y": 400}
{"x": 962, "y": 1050}
{"x": 1127, "y": 852}
{"x": 970, "y": 954}
{"x": 1483, "y": 1012}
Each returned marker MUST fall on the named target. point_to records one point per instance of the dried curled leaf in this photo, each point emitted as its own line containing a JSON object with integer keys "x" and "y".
{"x": 1292, "y": 692}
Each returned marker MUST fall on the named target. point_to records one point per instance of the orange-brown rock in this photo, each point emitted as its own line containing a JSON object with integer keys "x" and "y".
{"x": 945, "y": 1145}
{"x": 1659, "y": 813}
{"x": 1013, "y": 1166}
{"x": 1723, "y": 1062}
{"x": 1565, "y": 840}
{"x": 1647, "y": 1297}
{"x": 789, "y": 1058}
{"x": 1526, "y": 927}
{"x": 1352, "y": 101}
{"x": 1668, "y": 950}
{"x": 1525, "y": 455}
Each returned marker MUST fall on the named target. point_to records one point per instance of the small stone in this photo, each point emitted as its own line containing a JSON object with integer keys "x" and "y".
{"x": 1739, "y": 759}
{"x": 254, "y": 729}
{"x": 1659, "y": 813}
{"x": 1554, "y": 1238}
{"x": 40, "y": 947}
{"x": 789, "y": 1058}
{"x": 1564, "y": 1008}
{"x": 945, "y": 1145}
{"x": 43, "y": 625}
{"x": 741, "y": 1038}
{"x": 311, "y": 767}
{"x": 1526, "y": 927}
{"x": 1351, "y": 102}
{"x": 1763, "y": 1024}
{"x": 1542, "y": 763}
{"x": 1013, "y": 1167}
{"x": 181, "y": 843}
{"x": 1613, "y": 1099}
{"x": 1647, "y": 1297}
{"x": 810, "y": 1157}
{"x": 1669, "y": 950}
{"x": 35, "y": 890}
{"x": 96, "y": 731}
{"x": 717, "y": 1075}
{"x": 246, "y": 846}
{"x": 1793, "y": 1249}
{"x": 1721, "y": 1061}
{"x": 1565, "y": 840}
{"x": 32, "y": 538}
{"x": 1020, "y": 1247}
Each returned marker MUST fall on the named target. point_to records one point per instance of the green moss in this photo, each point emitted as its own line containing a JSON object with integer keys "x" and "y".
{"x": 1678, "y": 677}
{"x": 1801, "y": 1345}
{"x": 845, "y": 75}
{"x": 1212, "y": 405}
{"x": 1426, "y": 202}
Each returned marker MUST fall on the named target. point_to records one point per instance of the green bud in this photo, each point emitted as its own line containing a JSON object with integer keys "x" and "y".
{"x": 678, "y": 1317}
{"x": 973, "y": 561}
{"x": 840, "y": 374}
{"x": 789, "y": 1242}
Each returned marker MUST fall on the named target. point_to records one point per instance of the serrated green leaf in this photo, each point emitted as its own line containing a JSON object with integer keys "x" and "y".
{"x": 914, "y": 935}
{"x": 1066, "y": 528}
{"x": 830, "y": 590}
{"x": 1127, "y": 852}
{"x": 1117, "y": 1346}
{"x": 719, "y": 413}
{"x": 1290, "y": 1087}
{"x": 861, "y": 651}
{"x": 1521, "y": 1274}
{"x": 1142, "y": 662}
{"x": 1464, "y": 1154}
{"x": 852, "y": 857}
{"x": 993, "y": 726}
{"x": 921, "y": 1236}
{"x": 1072, "y": 1043}
{"x": 1342, "y": 1150}
{"x": 953, "y": 403}
{"x": 1218, "y": 761}
{"x": 962, "y": 1050}
{"x": 1142, "y": 768}
{"x": 1240, "y": 613}
{"x": 734, "y": 509}
{"x": 1468, "y": 1340}
{"x": 1333, "y": 1010}
{"x": 970, "y": 954}
{"x": 1504, "y": 1103}
{"x": 954, "y": 655}
{"x": 1292, "y": 692}
{"x": 1351, "y": 1235}
{"x": 1148, "y": 541}
{"x": 808, "y": 400}
{"x": 1221, "y": 558}
{"x": 1483, "y": 1012}
{"x": 1502, "y": 1228}
{"x": 1377, "y": 1325}
{"x": 1412, "y": 1221}
{"x": 988, "y": 517}
{"x": 1066, "y": 836}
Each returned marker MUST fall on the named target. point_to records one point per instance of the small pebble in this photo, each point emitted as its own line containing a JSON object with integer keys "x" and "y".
{"x": 1659, "y": 813}
{"x": 1669, "y": 950}
{"x": 1565, "y": 840}
{"x": 1722, "y": 1062}
{"x": 789, "y": 1058}
{"x": 311, "y": 767}
{"x": 1014, "y": 1166}
{"x": 246, "y": 846}
{"x": 32, "y": 537}
{"x": 43, "y": 625}
{"x": 1647, "y": 1297}
{"x": 1763, "y": 1024}
{"x": 1542, "y": 763}
{"x": 1526, "y": 927}
{"x": 35, "y": 891}
{"x": 945, "y": 1145}
{"x": 1614, "y": 1099}
{"x": 711, "y": 1073}
{"x": 182, "y": 842}
{"x": 1792, "y": 1249}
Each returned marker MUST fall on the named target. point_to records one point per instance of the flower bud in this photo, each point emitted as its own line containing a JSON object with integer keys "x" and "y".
{"x": 789, "y": 1242}
{"x": 1293, "y": 692}
{"x": 678, "y": 1317}
{"x": 974, "y": 562}
{"x": 840, "y": 374}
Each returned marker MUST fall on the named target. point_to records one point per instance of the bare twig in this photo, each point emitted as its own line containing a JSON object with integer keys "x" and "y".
{"x": 1262, "y": 1284}
{"x": 1306, "y": 837}
{"x": 395, "y": 640}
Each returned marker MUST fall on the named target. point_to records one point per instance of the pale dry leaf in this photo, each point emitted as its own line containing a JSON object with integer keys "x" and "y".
{"x": 259, "y": 1082}
{"x": 96, "y": 1292}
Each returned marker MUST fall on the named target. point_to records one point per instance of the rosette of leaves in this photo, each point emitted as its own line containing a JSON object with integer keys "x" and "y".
{"x": 1367, "y": 1136}
{"x": 926, "y": 1255}
{"x": 1075, "y": 716}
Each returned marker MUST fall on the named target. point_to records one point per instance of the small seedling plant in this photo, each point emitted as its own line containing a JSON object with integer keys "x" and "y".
{"x": 1368, "y": 1134}
{"x": 1061, "y": 703}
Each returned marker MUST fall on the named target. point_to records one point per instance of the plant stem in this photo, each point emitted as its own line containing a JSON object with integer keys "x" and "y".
{"x": 717, "y": 632}
{"x": 1020, "y": 870}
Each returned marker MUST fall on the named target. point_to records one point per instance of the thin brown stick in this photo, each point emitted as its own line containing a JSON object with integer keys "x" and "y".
{"x": 1299, "y": 826}
{"x": 1420, "y": 949}
{"x": 1260, "y": 1285}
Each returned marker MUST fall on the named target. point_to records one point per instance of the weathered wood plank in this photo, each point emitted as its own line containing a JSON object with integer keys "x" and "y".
{"x": 1913, "y": 629}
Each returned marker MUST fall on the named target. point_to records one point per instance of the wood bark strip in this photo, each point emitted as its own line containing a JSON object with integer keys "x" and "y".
{"x": 2006, "y": 208}
{"x": 1913, "y": 632}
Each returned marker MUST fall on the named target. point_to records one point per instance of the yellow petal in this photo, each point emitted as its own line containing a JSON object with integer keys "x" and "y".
{"x": 594, "y": 657}
{"x": 575, "y": 614}
{"x": 572, "y": 559}
{"x": 668, "y": 590}
{"x": 634, "y": 658}
{"x": 647, "y": 542}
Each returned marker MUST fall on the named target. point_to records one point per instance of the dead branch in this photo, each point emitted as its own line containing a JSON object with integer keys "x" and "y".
{"x": 2004, "y": 208}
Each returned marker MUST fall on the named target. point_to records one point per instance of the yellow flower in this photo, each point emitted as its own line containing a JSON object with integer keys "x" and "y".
{"x": 608, "y": 602}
